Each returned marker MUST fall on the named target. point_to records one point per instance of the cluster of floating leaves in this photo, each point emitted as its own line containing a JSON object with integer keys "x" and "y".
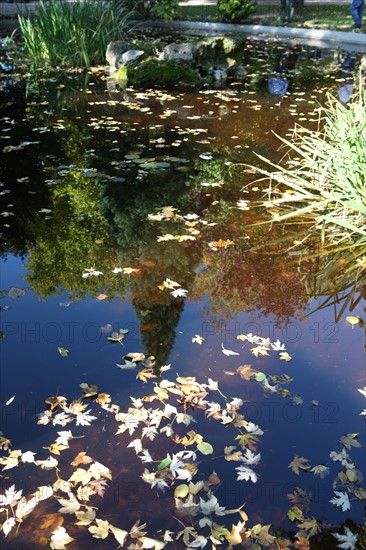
{"x": 169, "y": 413}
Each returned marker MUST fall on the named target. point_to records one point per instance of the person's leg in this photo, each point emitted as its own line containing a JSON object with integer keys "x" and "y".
{"x": 283, "y": 4}
{"x": 356, "y": 10}
{"x": 291, "y": 9}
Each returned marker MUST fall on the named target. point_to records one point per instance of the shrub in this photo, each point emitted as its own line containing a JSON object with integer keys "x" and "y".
{"x": 236, "y": 10}
{"x": 144, "y": 9}
{"x": 164, "y": 9}
{"x": 72, "y": 34}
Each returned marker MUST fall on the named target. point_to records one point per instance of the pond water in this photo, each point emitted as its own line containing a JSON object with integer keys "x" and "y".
{"x": 108, "y": 195}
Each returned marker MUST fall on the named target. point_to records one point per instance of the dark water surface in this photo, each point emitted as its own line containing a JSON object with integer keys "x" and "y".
{"x": 82, "y": 168}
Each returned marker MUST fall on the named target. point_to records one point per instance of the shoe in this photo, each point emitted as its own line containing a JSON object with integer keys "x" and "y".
{"x": 355, "y": 26}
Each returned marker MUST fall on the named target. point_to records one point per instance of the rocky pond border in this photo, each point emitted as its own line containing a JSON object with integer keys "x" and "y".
{"x": 322, "y": 38}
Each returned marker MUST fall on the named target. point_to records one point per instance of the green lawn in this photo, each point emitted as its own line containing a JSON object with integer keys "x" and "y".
{"x": 315, "y": 16}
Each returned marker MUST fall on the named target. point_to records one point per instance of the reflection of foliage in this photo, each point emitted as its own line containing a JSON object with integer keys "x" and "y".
{"x": 237, "y": 280}
{"x": 66, "y": 244}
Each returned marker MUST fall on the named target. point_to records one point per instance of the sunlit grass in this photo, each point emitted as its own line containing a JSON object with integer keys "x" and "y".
{"x": 321, "y": 16}
{"x": 74, "y": 34}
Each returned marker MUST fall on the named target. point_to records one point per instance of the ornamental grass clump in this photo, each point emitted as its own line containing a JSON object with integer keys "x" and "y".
{"x": 72, "y": 34}
{"x": 322, "y": 186}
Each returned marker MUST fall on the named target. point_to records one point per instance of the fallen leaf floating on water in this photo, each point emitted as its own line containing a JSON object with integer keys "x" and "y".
{"x": 169, "y": 284}
{"x": 8, "y": 525}
{"x": 228, "y": 352}
{"x": 63, "y": 352}
{"x": 85, "y": 517}
{"x": 353, "y": 320}
{"x": 91, "y": 272}
{"x": 197, "y": 339}
{"x": 11, "y": 461}
{"x": 126, "y": 270}
{"x": 60, "y": 538}
{"x": 179, "y": 293}
{"x": 81, "y": 458}
{"x": 101, "y": 530}
{"x": 89, "y": 390}
{"x": 347, "y": 541}
{"x": 11, "y": 495}
{"x": 131, "y": 360}
{"x": 350, "y": 440}
{"x": 102, "y": 296}
{"x": 103, "y": 399}
{"x": 341, "y": 500}
{"x": 118, "y": 335}
{"x": 299, "y": 463}
{"x": 9, "y": 401}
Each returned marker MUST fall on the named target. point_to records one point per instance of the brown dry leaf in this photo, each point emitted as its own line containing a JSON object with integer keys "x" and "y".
{"x": 229, "y": 372}
{"x": 222, "y": 243}
{"x": 4, "y": 443}
{"x": 98, "y": 486}
{"x": 81, "y": 458}
{"x": 360, "y": 493}
{"x": 54, "y": 402}
{"x": 299, "y": 463}
{"x": 261, "y": 534}
{"x": 232, "y": 456}
{"x": 214, "y": 479}
{"x": 302, "y": 543}
{"x": 103, "y": 398}
{"x": 234, "y": 537}
{"x": 246, "y": 372}
{"x": 350, "y": 440}
{"x": 311, "y": 526}
{"x": 77, "y": 406}
{"x": 145, "y": 374}
{"x": 56, "y": 448}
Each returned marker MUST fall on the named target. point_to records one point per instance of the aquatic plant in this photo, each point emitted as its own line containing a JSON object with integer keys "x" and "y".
{"x": 322, "y": 187}
{"x": 74, "y": 34}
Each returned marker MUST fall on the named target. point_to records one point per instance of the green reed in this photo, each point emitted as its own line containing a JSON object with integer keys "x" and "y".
{"x": 72, "y": 34}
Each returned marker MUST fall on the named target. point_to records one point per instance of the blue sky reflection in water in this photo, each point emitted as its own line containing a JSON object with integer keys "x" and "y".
{"x": 82, "y": 200}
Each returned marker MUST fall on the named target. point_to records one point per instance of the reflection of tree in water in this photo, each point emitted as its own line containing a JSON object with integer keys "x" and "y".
{"x": 127, "y": 206}
{"x": 238, "y": 279}
{"x": 21, "y": 172}
{"x": 77, "y": 236}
